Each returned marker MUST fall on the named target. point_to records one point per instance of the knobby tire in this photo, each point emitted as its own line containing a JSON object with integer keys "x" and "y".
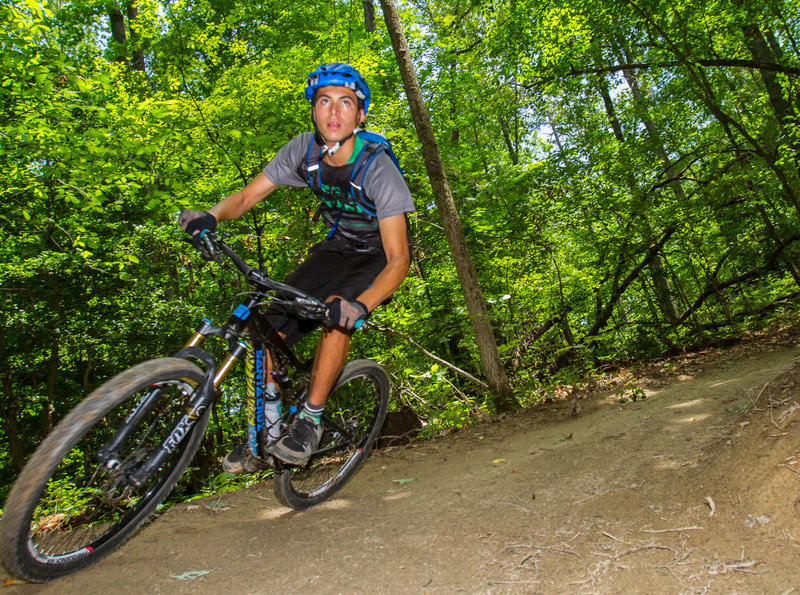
{"x": 67, "y": 510}
{"x": 354, "y": 414}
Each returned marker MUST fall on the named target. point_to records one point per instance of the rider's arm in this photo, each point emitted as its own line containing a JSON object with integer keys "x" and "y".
{"x": 395, "y": 245}
{"x": 238, "y": 203}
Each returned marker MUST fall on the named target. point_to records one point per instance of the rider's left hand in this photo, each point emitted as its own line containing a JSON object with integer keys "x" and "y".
{"x": 345, "y": 313}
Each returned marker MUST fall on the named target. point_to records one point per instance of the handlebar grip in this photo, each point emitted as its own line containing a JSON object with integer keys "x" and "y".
{"x": 203, "y": 242}
{"x": 359, "y": 323}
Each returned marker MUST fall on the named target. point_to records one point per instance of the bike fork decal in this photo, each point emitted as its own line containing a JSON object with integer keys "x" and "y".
{"x": 184, "y": 425}
{"x": 143, "y": 403}
{"x": 254, "y": 372}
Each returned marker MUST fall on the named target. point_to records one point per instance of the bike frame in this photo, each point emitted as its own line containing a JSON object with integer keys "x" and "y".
{"x": 249, "y": 335}
{"x": 150, "y": 421}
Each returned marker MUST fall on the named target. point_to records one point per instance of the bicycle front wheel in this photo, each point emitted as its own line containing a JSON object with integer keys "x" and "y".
{"x": 70, "y": 507}
{"x": 354, "y": 414}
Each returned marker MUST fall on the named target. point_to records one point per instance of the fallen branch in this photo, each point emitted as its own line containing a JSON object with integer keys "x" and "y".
{"x": 761, "y": 392}
{"x": 738, "y": 566}
{"x": 711, "y": 506}
{"x": 429, "y": 355}
{"x": 543, "y": 548}
{"x": 465, "y": 399}
{"x": 787, "y": 464}
{"x": 641, "y": 548}
{"x": 670, "y": 530}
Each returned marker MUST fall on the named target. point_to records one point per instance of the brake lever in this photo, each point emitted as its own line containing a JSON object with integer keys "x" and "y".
{"x": 209, "y": 250}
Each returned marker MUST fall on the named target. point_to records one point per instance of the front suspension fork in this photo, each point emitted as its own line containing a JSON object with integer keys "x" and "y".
{"x": 201, "y": 400}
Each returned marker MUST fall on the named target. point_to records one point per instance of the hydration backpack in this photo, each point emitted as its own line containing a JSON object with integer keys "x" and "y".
{"x": 374, "y": 144}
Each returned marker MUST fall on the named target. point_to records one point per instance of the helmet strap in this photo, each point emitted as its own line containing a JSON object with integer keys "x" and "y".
{"x": 337, "y": 146}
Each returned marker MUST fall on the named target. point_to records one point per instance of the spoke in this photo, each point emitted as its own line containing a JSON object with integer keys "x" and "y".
{"x": 83, "y": 511}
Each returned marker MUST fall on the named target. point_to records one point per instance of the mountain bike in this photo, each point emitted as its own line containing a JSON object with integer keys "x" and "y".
{"x": 111, "y": 461}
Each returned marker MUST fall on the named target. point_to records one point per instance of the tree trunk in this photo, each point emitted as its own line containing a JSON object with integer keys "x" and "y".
{"x": 54, "y": 361}
{"x": 655, "y": 137}
{"x": 794, "y": 270}
{"x": 137, "y": 62}
{"x": 120, "y": 42}
{"x": 10, "y": 415}
{"x": 510, "y": 145}
{"x": 765, "y": 53}
{"x": 484, "y": 335}
{"x": 369, "y": 16}
{"x": 664, "y": 293}
{"x": 118, "y": 35}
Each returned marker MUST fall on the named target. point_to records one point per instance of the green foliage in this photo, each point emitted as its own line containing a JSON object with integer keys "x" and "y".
{"x": 61, "y": 500}
{"x": 625, "y": 175}
{"x": 630, "y": 392}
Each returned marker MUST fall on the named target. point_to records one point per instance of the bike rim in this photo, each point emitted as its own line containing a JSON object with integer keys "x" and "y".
{"x": 350, "y": 413}
{"x": 84, "y": 505}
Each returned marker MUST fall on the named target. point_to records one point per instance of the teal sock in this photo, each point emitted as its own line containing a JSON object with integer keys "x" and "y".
{"x": 311, "y": 412}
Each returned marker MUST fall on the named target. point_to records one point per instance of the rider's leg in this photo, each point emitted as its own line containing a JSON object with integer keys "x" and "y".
{"x": 302, "y": 439}
{"x": 328, "y": 361}
{"x": 332, "y": 269}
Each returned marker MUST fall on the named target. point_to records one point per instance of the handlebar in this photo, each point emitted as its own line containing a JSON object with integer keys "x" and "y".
{"x": 305, "y": 305}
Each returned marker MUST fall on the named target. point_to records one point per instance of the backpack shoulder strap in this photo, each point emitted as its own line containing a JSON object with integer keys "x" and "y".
{"x": 372, "y": 137}
{"x": 374, "y": 144}
{"x": 312, "y": 164}
{"x": 364, "y": 159}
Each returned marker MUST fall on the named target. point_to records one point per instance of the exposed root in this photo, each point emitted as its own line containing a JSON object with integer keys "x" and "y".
{"x": 670, "y": 530}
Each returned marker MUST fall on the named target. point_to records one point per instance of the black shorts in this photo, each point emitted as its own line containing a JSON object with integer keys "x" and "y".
{"x": 333, "y": 268}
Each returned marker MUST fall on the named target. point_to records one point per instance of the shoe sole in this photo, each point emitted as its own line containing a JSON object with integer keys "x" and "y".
{"x": 288, "y": 458}
{"x": 248, "y": 464}
{"x": 229, "y": 468}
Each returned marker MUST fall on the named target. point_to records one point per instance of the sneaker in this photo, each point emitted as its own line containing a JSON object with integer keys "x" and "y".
{"x": 241, "y": 460}
{"x": 297, "y": 446}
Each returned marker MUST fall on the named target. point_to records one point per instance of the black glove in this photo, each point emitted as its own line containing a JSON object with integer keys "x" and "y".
{"x": 346, "y": 314}
{"x": 194, "y": 222}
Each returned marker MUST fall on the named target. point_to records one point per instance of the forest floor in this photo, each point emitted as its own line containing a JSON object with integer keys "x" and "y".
{"x": 693, "y": 489}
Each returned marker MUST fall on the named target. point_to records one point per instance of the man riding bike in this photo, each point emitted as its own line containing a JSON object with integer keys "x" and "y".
{"x": 362, "y": 261}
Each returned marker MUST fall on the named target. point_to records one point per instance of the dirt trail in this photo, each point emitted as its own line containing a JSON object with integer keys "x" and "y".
{"x": 695, "y": 489}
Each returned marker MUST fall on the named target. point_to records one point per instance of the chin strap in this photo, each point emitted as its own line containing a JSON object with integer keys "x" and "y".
{"x": 326, "y": 150}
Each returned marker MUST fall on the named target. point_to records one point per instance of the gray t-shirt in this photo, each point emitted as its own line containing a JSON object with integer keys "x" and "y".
{"x": 383, "y": 185}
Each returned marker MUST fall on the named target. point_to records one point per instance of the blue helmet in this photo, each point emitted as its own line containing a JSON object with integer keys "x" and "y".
{"x": 337, "y": 74}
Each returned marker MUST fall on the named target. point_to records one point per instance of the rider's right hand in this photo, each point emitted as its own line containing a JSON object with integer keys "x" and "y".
{"x": 195, "y": 222}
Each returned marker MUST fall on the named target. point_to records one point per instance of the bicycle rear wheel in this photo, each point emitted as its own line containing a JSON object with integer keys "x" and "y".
{"x": 354, "y": 414}
{"x": 69, "y": 507}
